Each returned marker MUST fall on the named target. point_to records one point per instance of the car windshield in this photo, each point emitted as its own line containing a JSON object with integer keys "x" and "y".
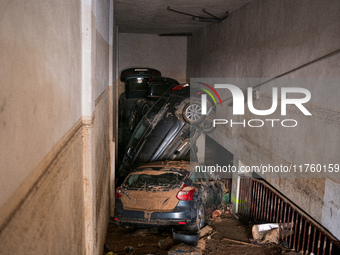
{"x": 156, "y": 107}
{"x": 139, "y": 132}
{"x": 153, "y": 178}
{"x": 145, "y": 122}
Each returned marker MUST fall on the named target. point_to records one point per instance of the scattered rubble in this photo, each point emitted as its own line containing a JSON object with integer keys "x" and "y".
{"x": 225, "y": 235}
{"x": 207, "y": 230}
{"x": 271, "y": 232}
{"x": 144, "y": 232}
{"x": 216, "y": 213}
{"x": 201, "y": 244}
{"x": 166, "y": 243}
{"x": 184, "y": 249}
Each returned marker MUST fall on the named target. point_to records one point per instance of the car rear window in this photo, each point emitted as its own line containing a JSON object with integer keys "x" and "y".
{"x": 137, "y": 84}
{"x": 141, "y": 180}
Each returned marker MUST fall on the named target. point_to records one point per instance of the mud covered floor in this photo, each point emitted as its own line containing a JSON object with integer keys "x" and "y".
{"x": 227, "y": 238}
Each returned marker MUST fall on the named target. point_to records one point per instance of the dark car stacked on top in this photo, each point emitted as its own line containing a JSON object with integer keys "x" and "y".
{"x": 167, "y": 131}
{"x": 157, "y": 86}
{"x": 134, "y": 98}
{"x": 143, "y": 86}
{"x": 162, "y": 122}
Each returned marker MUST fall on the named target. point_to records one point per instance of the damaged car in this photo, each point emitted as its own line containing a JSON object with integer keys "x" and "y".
{"x": 157, "y": 86}
{"x": 167, "y": 131}
{"x": 168, "y": 194}
{"x": 136, "y": 82}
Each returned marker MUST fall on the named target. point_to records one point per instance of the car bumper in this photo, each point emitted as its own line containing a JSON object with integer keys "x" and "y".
{"x": 184, "y": 214}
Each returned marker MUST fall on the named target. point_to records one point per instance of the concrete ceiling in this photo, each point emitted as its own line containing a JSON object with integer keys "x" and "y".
{"x": 152, "y": 16}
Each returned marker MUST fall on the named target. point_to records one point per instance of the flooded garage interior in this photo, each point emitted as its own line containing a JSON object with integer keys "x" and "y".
{"x": 61, "y": 64}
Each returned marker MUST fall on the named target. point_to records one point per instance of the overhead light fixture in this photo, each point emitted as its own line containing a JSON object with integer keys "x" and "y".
{"x": 213, "y": 18}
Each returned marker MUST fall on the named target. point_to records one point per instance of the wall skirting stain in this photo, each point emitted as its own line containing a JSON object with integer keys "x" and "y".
{"x": 28, "y": 187}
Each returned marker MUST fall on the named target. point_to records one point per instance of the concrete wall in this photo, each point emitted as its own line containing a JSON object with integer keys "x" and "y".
{"x": 265, "y": 39}
{"x": 113, "y": 102}
{"x": 102, "y": 168}
{"x": 164, "y": 53}
{"x": 101, "y": 122}
{"x": 39, "y": 84}
{"x": 54, "y": 114}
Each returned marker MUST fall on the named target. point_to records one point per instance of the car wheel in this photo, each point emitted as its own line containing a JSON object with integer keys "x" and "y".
{"x": 200, "y": 219}
{"x": 192, "y": 113}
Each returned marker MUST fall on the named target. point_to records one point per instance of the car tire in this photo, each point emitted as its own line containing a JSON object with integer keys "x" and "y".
{"x": 200, "y": 219}
{"x": 192, "y": 112}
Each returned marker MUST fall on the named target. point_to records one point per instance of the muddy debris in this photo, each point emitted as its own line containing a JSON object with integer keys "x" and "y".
{"x": 271, "y": 232}
{"x": 201, "y": 244}
{"x": 166, "y": 244}
{"x": 225, "y": 235}
{"x": 216, "y": 214}
{"x": 184, "y": 249}
{"x": 207, "y": 230}
{"x": 144, "y": 232}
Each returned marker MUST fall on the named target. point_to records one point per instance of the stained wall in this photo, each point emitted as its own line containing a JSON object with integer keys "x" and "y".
{"x": 297, "y": 42}
{"x": 168, "y": 54}
{"x": 56, "y": 93}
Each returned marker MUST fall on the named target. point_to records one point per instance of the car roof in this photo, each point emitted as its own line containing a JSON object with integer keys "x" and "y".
{"x": 139, "y": 72}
